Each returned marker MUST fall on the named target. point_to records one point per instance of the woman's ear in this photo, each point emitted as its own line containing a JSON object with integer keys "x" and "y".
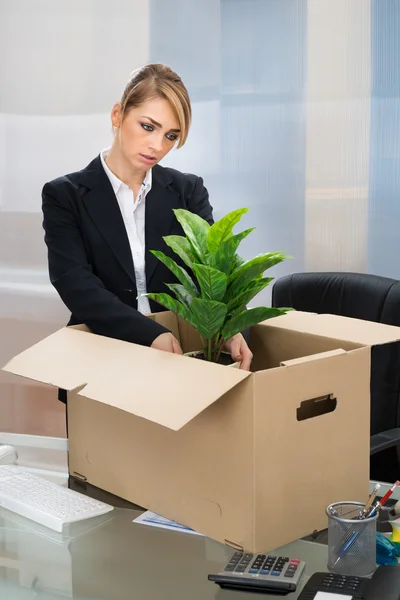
{"x": 116, "y": 115}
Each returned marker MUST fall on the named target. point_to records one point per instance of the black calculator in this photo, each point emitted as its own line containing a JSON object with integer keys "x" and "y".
{"x": 260, "y": 573}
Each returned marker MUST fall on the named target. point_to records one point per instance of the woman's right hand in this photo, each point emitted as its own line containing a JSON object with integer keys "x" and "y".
{"x": 168, "y": 343}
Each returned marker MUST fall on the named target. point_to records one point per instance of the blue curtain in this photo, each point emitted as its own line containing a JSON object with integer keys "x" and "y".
{"x": 384, "y": 200}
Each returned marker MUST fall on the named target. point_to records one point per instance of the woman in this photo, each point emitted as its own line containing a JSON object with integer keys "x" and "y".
{"x": 101, "y": 222}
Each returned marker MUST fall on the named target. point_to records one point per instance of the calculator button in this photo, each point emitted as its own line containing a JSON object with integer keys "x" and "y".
{"x": 289, "y": 574}
{"x": 229, "y": 568}
{"x": 253, "y": 571}
{"x": 275, "y": 573}
{"x": 264, "y": 572}
{"x": 240, "y": 569}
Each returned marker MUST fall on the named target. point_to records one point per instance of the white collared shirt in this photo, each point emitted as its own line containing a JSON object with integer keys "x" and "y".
{"x": 133, "y": 214}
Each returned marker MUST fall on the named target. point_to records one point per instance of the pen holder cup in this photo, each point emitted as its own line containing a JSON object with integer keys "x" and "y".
{"x": 351, "y": 540}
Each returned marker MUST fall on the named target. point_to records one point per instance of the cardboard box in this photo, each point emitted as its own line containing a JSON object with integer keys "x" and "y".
{"x": 249, "y": 459}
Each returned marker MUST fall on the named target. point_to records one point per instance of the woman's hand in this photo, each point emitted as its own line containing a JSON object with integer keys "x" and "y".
{"x": 239, "y": 350}
{"x": 168, "y": 343}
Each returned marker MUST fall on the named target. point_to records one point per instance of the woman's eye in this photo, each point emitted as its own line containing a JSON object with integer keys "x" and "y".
{"x": 172, "y": 137}
{"x": 147, "y": 127}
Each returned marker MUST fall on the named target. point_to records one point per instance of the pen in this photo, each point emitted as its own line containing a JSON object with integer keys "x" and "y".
{"x": 372, "y": 497}
{"x": 374, "y": 509}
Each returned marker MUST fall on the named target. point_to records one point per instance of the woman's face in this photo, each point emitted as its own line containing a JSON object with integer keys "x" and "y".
{"x": 147, "y": 133}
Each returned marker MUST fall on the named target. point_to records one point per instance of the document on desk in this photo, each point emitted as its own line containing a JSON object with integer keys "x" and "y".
{"x": 154, "y": 520}
{"x": 329, "y": 596}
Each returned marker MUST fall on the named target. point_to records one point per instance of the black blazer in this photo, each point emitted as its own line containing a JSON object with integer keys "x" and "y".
{"x": 90, "y": 260}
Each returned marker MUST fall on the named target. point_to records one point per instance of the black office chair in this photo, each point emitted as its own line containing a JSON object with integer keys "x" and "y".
{"x": 371, "y": 298}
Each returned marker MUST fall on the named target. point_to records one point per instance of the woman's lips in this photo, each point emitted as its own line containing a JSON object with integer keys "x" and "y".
{"x": 148, "y": 159}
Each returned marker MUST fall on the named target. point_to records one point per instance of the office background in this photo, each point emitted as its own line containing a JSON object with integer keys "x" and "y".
{"x": 296, "y": 115}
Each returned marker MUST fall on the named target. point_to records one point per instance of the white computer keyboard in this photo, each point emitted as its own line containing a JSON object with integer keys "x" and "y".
{"x": 43, "y": 501}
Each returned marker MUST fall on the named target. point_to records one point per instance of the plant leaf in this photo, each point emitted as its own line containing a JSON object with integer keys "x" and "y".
{"x": 208, "y": 316}
{"x": 225, "y": 259}
{"x": 248, "y": 318}
{"x": 244, "y": 297}
{"x": 211, "y": 281}
{"x": 251, "y": 270}
{"x": 181, "y": 246}
{"x": 171, "y": 304}
{"x": 196, "y": 231}
{"x": 222, "y": 229}
{"x": 178, "y": 271}
{"x": 181, "y": 294}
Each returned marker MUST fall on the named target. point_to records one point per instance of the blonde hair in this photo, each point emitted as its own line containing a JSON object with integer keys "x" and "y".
{"x": 159, "y": 80}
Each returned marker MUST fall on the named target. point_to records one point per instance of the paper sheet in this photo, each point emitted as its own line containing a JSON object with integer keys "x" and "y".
{"x": 154, "y": 520}
{"x": 329, "y": 596}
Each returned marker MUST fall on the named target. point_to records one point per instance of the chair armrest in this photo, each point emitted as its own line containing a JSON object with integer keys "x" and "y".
{"x": 385, "y": 439}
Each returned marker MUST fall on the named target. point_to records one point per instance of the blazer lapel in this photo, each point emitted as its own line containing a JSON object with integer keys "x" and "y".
{"x": 102, "y": 206}
{"x": 159, "y": 218}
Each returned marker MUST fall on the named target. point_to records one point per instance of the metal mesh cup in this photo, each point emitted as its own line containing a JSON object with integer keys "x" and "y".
{"x": 351, "y": 541}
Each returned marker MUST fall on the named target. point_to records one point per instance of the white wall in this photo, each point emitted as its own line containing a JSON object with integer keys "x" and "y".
{"x": 64, "y": 65}
{"x": 338, "y": 118}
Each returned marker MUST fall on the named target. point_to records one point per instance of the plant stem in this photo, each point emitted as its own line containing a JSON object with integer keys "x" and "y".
{"x": 219, "y": 345}
{"x": 209, "y": 349}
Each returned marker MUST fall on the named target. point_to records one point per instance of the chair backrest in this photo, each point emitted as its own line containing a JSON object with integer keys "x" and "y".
{"x": 360, "y": 296}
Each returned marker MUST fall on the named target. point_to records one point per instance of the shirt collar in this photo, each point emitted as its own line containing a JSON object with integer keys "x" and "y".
{"x": 116, "y": 183}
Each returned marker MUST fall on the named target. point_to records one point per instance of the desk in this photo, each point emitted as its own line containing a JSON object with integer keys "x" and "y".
{"x": 113, "y": 558}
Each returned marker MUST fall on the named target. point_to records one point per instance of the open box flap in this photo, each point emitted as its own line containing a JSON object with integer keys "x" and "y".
{"x": 165, "y": 388}
{"x": 357, "y": 331}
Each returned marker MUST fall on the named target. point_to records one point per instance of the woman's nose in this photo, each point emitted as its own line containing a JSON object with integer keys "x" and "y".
{"x": 156, "y": 142}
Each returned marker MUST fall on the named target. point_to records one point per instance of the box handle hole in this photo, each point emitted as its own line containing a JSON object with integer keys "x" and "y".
{"x": 316, "y": 407}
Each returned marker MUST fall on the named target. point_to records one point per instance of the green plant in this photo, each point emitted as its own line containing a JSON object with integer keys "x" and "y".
{"x": 214, "y": 301}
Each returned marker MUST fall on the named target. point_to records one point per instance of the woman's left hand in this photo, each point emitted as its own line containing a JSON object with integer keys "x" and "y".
{"x": 239, "y": 350}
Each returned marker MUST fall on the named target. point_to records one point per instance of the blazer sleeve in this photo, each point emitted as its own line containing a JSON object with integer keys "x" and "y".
{"x": 80, "y": 289}
{"x": 199, "y": 203}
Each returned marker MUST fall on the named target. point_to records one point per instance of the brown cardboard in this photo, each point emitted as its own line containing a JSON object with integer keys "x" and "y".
{"x": 244, "y": 458}
{"x": 102, "y": 369}
{"x": 355, "y": 331}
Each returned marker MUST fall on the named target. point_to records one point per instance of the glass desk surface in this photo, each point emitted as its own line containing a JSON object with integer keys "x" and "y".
{"x": 112, "y": 558}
